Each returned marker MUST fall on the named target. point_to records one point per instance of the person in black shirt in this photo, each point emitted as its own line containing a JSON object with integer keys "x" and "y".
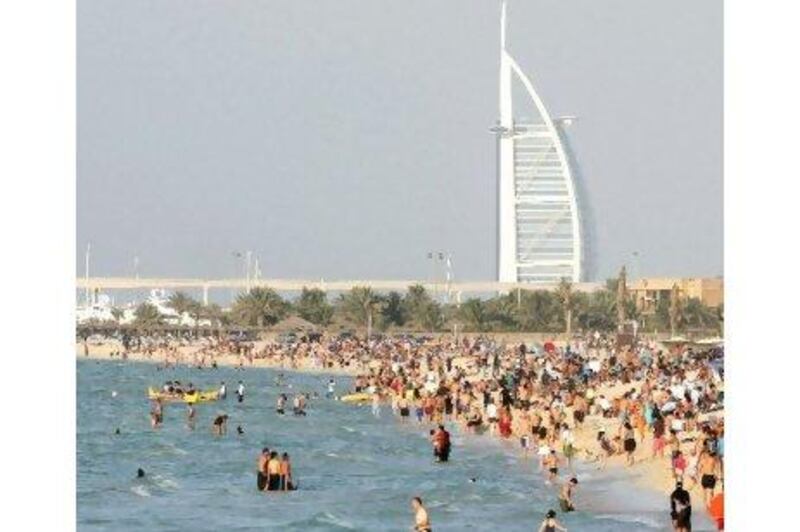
{"x": 680, "y": 509}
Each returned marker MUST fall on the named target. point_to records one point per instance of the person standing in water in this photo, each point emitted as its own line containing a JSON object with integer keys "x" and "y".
{"x": 680, "y": 508}
{"x": 223, "y": 391}
{"x": 565, "y": 497}
{"x": 191, "y": 413}
{"x": 156, "y": 414}
{"x": 331, "y": 388}
{"x": 286, "y": 473}
{"x": 240, "y": 392}
{"x": 550, "y": 524}
{"x": 220, "y": 425}
{"x": 376, "y": 404}
{"x": 273, "y": 472}
{"x": 261, "y": 468}
{"x": 422, "y": 522}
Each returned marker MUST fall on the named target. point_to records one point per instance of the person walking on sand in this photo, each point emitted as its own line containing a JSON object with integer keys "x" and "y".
{"x": 550, "y": 524}
{"x": 422, "y": 522}
{"x": 709, "y": 470}
{"x": 629, "y": 442}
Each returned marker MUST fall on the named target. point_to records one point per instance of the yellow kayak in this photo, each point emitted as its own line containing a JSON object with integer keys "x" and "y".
{"x": 356, "y": 398}
{"x": 196, "y": 397}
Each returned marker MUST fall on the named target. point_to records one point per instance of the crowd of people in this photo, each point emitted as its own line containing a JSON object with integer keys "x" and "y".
{"x": 641, "y": 403}
{"x": 645, "y": 402}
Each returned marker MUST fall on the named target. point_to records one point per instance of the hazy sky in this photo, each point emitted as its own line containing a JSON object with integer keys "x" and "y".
{"x": 346, "y": 138}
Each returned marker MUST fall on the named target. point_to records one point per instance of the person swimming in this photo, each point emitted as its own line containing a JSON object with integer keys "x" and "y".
{"x": 140, "y": 473}
{"x": 550, "y": 524}
{"x": 422, "y": 522}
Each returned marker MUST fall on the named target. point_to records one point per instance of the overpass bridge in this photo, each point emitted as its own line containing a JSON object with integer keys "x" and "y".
{"x": 455, "y": 289}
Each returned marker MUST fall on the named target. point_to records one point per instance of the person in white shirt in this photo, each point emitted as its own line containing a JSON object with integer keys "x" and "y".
{"x": 223, "y": 391}
{"x": 240, "y": 391}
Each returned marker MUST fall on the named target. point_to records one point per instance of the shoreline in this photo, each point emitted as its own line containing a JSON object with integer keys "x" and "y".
{"x": 650, "y": 474}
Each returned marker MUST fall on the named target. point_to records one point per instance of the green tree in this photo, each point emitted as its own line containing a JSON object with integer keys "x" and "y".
{"x": 598, "y": 310}
{"x": 474, "y": 315}
{"x": 147, "y": 315}
{"x": 312, "y": 305}
{"x": 423, "y": 311}
{"x": 699, "y": 316}
{"x": 361, "y": 305}
{"x": 394, "y": 311}
{"x": 258, "y": 308}
{"x": 118, "y": 313}
{"x": 538, "y": 311}
{"x": 180, "y": 302}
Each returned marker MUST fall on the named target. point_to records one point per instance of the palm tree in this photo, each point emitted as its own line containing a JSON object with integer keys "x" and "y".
{"x": 360, "y": 305}
{"x": 147, "y": 315}
{"x": 259, "y": 307}
{"x": 565, "y": 295}
{"x": 422, "y": 309}
{"x": 180, "y": 302}
{"x": 118, "y": 313}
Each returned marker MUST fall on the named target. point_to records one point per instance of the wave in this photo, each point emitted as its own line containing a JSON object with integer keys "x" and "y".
{"x": 649, "y": 522}
{"x": 141, "y": 491}
{"x": 322, "y": 519}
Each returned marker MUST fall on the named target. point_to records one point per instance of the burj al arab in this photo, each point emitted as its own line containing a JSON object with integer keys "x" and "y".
{"x": 539, "y": 226}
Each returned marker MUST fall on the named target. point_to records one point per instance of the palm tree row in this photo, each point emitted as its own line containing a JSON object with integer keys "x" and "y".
{"x": 562, "y": 310}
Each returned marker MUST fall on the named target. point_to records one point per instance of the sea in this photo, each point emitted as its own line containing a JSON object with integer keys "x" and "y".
{"x": 355, "y": 471}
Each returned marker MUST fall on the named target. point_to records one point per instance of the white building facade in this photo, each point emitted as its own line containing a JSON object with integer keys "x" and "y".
{"x": 539, "y": 226}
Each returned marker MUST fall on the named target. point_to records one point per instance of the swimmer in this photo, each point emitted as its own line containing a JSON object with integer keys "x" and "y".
{"x": 240, "y": 392}
{"x": 422, "y": 522}
{"x": 223, "y": 391}
{"x": 117, "y": 431}
{"x": 140, "y": 473}
{"x": 565, "y": 498}
{"x": 239, "y": 430}
{"x": 550, "y": 524}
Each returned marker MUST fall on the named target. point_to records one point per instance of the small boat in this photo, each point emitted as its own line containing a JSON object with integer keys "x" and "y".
{"x": 356, "y": 398}
{"x": 195, "y": 397}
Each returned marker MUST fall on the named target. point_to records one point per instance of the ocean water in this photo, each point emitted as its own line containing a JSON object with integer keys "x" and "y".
{"x": 355, "y": 471}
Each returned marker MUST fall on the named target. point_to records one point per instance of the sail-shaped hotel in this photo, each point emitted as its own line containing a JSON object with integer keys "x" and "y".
{"x": 539, "y": 226}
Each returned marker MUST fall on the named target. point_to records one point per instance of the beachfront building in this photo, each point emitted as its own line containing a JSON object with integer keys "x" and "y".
{"x": 539, "y": 227}
{"x": 649, "y": 292}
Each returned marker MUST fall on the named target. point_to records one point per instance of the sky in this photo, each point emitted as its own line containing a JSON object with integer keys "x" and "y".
{"x": 346, "y": 139}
